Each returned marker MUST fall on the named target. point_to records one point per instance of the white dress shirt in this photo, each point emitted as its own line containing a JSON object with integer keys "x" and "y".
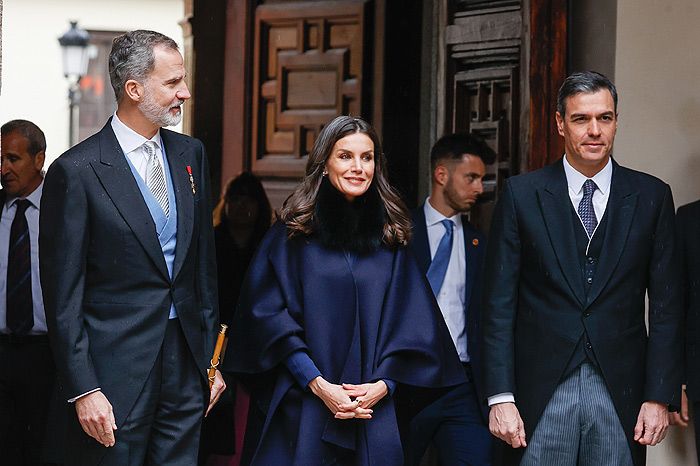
{"x": 132, "y": 142}
{"x": 602, "y": 179}
{"x": 451, "y": 295}
{"x": 8, "y": 215}
{"x": 575, "y": 181}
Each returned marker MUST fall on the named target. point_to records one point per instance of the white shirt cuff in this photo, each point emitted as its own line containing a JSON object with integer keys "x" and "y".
{"x": 505, "y": 397}
{"x": 72, "y": 400}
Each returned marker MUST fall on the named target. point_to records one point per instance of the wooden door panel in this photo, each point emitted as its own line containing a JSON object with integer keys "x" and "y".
{"x": 490, "y": 78}
{"x": 483, "y": 71}
{"x": 308, "y": 68}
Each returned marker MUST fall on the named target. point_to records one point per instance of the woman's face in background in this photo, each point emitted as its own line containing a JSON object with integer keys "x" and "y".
{"x": 350, "y": 166}
{"x": 241, "y": 210}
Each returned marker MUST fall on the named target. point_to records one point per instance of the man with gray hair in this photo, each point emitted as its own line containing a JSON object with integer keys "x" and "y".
{"x": 128, "y": 270}
{"x": 574, "y": 249}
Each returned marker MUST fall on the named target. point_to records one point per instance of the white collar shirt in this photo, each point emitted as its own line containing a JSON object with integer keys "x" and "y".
{"x": 602, "y": 179}
{"x": 132, "y": 143}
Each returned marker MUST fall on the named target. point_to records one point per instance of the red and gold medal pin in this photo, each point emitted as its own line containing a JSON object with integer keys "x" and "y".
{"x": 475, "y": 242}
{"x": 189, "y": 172}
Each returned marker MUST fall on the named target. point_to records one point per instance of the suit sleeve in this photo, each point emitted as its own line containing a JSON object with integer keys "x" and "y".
{"x": 63, "y": 242}
{"x": 206, "y": 258}
{"x": 500, "y": 297}
{"x": 664, "y": 350}
{"x": 682, "y": 228}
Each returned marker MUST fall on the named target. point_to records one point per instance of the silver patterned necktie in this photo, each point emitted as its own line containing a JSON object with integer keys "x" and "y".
{"x": 585, "y": 208}
{"x": 155, "y": 178}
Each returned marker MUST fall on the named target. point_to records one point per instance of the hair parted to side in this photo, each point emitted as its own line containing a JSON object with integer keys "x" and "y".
{"x": 30, "y": 131}
{"x": 298, "y": 210}
{"x": 586, "y": 82}
{"x": 454, "y": 146}
{"x": 132, "y": 57}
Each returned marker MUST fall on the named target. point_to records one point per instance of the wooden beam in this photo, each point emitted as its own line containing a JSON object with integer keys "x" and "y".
{"x": 237, "y": 66}
{"x": 548, "y": 51}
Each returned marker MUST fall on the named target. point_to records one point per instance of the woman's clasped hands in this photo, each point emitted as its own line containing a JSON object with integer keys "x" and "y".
{"x": 349, "y": 401}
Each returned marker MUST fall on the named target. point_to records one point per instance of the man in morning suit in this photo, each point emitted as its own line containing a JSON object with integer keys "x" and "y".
{"x": 688, "y": 228}
{"x": 450, "y": 251}
{"x": 128, "y": 270}
{"x": 572, "y": 375}
{"x": 26, "y": 366}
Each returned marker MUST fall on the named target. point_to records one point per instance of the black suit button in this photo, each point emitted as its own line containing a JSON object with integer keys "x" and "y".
{"x": 591, "y": 260}
{"x": 588, "y": 345}
{"x": 589, "y": 280}
{"x": 587, "y": 314}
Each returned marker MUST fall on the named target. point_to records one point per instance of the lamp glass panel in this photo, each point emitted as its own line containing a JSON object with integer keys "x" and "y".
{"x": 75, "y": 61}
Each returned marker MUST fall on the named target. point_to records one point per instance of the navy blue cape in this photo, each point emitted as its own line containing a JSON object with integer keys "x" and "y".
{"x": 360, "y": 318}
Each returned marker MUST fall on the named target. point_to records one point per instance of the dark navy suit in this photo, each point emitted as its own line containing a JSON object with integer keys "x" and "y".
{"x": 456, "y": 422}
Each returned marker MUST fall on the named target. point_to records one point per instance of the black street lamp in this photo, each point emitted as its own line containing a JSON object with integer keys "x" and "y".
{"x": 74, "y": 44}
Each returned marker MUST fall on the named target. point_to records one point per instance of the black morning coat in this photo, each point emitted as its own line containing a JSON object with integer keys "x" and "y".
{"x": 361, "y": 317}
{"x": 536, "y": 309}
{"x": 106, "y": 287}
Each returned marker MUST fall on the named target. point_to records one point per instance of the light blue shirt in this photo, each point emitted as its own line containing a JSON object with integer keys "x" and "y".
{"x": 452, "y": 293}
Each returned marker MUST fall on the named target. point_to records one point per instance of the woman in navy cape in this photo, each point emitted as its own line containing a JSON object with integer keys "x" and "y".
{"x": 334, "y": 319}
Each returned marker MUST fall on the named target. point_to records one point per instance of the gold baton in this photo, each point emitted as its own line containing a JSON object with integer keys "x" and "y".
{"x": 217, "y": 353}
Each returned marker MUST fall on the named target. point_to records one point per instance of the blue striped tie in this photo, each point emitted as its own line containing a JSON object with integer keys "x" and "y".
{"x": 438, "y": 267}
{"x": 585, "y": 207}
{"x": 20, "y": 309}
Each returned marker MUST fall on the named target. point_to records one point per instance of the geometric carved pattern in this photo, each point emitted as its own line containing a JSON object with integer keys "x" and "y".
{"x": 307, "y": 70}
{"x": 486, "y": 98}
{"x": 483, "y": 85}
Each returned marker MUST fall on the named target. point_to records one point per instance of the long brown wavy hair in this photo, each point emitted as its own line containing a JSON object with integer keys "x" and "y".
{"x": 298, "y": 210}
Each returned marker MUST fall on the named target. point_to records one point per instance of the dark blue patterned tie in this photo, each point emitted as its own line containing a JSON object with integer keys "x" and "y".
{"x": 438, "y": 267}
{"x": 20, "y": 312}
{"x": 585, "y": 208}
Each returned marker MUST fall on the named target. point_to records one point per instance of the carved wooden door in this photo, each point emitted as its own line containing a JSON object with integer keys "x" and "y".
{"x": 308, "y": 66}
{"x": 484, "y": 47}
{"x": 491, "y": 77}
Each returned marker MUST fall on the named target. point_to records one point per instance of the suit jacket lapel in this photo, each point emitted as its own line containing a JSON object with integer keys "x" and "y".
{"x": 177, "y": 161}
{"x": 555, "y": 205}
{"x": 620, "y": 211}
{"x": 421, "y": 245}
{"x": 118, "y": 181}
{"x": 471, "y": 249}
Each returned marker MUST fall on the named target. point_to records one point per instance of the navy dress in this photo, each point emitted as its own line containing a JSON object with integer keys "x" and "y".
{"x": 360, "y": 318}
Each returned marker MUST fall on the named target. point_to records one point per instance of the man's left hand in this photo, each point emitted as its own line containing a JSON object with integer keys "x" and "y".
{"x": 652, "y": 423}
{"x": 217, "y": 389}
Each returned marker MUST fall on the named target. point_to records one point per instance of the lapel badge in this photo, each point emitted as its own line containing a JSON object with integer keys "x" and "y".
{"x": 475, "y": 242}
{"x": 189, "y": 172}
